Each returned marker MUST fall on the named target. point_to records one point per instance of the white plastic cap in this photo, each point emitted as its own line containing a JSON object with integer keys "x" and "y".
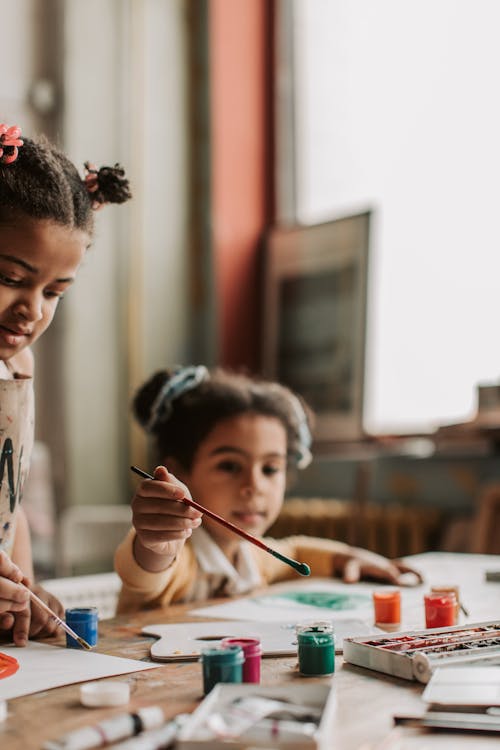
{"x": 3, "y": 710}
{"x": 110, "y": 693}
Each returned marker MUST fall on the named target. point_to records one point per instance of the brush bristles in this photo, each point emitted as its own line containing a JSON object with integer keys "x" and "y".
{"x": 83, "y": 643}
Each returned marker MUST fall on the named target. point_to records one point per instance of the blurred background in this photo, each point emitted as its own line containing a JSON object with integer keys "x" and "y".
{"x": 315, "y": 198}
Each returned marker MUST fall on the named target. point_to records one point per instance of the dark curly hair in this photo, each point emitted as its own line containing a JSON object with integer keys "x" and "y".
{"x": 221, "y": 395}
{"x": 43, "y": 183}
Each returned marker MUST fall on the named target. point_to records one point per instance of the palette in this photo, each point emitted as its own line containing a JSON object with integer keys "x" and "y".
{"x": 184, "y": 642}
{"x": 414, "y": 655}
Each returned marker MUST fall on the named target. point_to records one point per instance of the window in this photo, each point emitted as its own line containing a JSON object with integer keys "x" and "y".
{"x": 396, "y": 111}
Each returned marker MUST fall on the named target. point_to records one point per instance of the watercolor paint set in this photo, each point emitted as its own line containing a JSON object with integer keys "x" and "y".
{"x": 414, "y": 655}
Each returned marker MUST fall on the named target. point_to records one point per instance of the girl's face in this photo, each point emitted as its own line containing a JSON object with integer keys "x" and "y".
{"x": 239, "y": 472}
{"x": 39, "y": 260}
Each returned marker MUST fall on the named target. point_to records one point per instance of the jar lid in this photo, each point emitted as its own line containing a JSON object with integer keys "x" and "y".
{"x": 110, "y": 693}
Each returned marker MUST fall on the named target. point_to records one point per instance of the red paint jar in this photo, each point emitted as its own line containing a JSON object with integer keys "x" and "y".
{"x": 440, "y": 610}
{"x": 387, "y": 606}
{"x": 252, "y": 652}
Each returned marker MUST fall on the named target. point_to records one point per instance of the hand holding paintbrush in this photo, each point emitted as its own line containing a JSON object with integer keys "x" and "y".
{"x": 301, "y": 568}
{"x": 16, "y": 614}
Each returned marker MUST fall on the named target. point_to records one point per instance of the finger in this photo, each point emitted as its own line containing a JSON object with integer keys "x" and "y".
{"x": 8, "y": 569}
{"x": 410, "y": 576}
{"x": 162, "y": 473}
{"x": 152, "y": 522}
{"x": 6, "y": 621}
{"x": 12, "y": 596}
{"x": 22, "y": 627}
{"x": 42, "y": 625}
{"x": 352, "y": 571}
{"x": 166, "y": 506}
{"x": 154, "y": 537}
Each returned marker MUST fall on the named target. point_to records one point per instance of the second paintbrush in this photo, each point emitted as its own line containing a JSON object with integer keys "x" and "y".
{"x": 301, "y": 568}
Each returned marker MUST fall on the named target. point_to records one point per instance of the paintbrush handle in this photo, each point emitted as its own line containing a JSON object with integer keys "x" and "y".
{"x": 55, "y": 617}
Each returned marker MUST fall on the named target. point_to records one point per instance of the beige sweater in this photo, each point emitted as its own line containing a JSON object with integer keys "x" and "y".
{"x": 142, "y": 589}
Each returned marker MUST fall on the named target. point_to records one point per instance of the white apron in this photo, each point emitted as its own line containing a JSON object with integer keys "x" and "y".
{"x": 16, "y": 443}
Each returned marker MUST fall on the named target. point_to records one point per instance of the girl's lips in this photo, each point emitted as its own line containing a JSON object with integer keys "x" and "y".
{"x": 12, "y": 338}
{"x": 251, "y": 517}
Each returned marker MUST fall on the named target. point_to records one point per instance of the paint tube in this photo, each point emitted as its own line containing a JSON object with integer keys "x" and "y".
{"x": 244, "y": 713}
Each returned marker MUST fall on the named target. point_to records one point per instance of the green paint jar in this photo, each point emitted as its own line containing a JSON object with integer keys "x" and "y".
{"x": 221, "y": 664}
{"x": 316, "y": 649}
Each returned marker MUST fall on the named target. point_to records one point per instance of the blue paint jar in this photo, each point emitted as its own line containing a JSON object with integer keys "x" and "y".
{"x": 83, "y": 620}
{"x": 221, "y": 664}
{"x": 316, "y": 649}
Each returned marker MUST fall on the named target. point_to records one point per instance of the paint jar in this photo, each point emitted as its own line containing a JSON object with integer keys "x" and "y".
{"x": 252, "y": 652}
{"x": 440, "y": 610}
{"x": 83, "y": 620}
{"x": 387, "y": 607}
{"x": 449, "y": 590}
{"x": 316, "y": 649}
{"x": 221, "y": 665}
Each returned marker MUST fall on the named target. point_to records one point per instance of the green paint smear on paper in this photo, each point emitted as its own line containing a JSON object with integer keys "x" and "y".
{"x": 323, "y": 599}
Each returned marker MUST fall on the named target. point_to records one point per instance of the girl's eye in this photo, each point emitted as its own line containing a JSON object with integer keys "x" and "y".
{"x": 53, "y": 295}
{"x": 231, "y": 467}
{"x": 271, "y": 470}
{"x": 8, "y": 281}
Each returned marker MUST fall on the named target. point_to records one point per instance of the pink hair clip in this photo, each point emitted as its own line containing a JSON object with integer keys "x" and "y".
{"x": 9, "y": 139}
{"x": 91, "y": 180}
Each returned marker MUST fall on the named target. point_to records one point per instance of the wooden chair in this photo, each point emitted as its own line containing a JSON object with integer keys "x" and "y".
{"x": 485, "y": 536}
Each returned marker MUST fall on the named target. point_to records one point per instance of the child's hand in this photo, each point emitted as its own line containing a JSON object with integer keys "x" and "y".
{"x": 162, "y": 523}
{"x": 42, "y": 625}
{"x": 13, "y": 598}
{"x": 361, "y": 563}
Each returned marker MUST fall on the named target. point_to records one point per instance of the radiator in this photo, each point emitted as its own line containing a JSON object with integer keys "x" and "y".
{"x": 390, "y": 530}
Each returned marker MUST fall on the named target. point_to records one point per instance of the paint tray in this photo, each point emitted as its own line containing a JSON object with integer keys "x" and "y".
{"x": 414, "y": 655}
{"x": 319, "y": 696}
{"x": 184, "y": 641}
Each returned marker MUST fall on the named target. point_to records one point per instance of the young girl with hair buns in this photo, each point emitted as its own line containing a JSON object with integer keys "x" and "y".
{"x": 46, "y": 226}
{"x": 230, "y": 440}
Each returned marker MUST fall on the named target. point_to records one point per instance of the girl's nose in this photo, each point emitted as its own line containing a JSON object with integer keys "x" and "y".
{"x": 30, "y": 308}
{"x": 251, "y": 482}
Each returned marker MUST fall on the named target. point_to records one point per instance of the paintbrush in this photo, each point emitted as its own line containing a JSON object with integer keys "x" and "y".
{"x": 301, "y": 568}
{"x": 83, "y": 643}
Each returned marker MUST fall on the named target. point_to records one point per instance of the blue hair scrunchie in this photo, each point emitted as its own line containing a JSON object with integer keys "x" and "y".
{"x": 304, "y": 456}
{"x": 183, "y": 380}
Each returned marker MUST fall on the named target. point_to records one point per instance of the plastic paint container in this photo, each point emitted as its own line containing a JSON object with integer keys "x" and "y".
{"x": 449, "y": 590}
{"x": 83, "y": 620}
{"x": 440, "y": 610}
{"x": 221, "y": 665}
{"x": 252, "y": 652}
{"x": 387, "y": 606}
{"x": 316, "y": 649}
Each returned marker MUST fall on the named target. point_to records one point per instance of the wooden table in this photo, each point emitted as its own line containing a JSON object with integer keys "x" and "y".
{"x": 366, "y": 700}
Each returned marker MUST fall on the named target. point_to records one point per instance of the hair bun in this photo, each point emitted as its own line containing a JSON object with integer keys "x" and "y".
{"x": 106, "y": 185}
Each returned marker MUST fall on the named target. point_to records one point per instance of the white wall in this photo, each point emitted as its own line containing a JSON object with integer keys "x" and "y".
{"x": 124, "y": 101}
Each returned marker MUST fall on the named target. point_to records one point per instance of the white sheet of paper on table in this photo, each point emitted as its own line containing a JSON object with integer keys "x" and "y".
{"x": 42, "y": 667}
{"x": 464, "y": 686}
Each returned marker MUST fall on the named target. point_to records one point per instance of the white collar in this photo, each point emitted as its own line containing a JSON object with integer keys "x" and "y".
{"x": 220, "y": 574}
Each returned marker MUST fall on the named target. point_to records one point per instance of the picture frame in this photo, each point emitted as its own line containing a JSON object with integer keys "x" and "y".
{"x": 315, "y": 298}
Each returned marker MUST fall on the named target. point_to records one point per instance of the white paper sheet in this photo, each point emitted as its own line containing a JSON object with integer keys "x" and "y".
{"x": 464, "y": 686}
{"x": 42, "y": 667}
{"x": 294, "y": 603}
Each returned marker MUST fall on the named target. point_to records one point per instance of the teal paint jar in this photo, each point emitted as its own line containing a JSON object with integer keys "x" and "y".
{"x": 316, "y": 649}
{"x": 221, "y": 664}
